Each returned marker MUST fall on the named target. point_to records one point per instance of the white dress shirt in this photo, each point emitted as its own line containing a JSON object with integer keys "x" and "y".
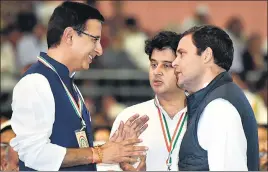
{"x": 153, "y": 136}
{"x": 32, "y": 121}
{"x": 220, "y": 133}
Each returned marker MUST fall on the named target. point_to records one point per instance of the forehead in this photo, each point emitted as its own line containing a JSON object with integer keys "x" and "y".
{"x": 7, "y": 135}
{"x": 186, "y": 43}
{"x": 163, "y": 55}
{"x": 94, "y": 27}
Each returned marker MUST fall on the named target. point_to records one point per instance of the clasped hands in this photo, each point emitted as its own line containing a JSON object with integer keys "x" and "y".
{"x": 122, "y": 148}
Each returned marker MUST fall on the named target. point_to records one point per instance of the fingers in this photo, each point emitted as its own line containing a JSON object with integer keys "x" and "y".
{"x": 119, "y": 134}
{"x": 142, "y": 165}
{"x": 141, "y": 130}
{"x": 128, "y": 159}
{"x": 138, "y": 123}
{"x": 126, "y": 166}
{"x": 120, "y": 129}
{"x": 137, "y": 153}
{"x": 136, "y": 148}
{"x": 131, "y": 141}
{"x": 114, "y": 137}
{"x": 132, "y": 119}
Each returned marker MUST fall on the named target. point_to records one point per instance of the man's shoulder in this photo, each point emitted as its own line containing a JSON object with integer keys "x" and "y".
{"x": 40, "y": 69}
{"x": 35, "y": 75}
{"x": 31, "y": 78}
{"x": 222, "y": 110}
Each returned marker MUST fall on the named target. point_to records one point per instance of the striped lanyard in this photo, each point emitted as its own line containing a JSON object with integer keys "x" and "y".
{"x": 170, "y": 142}
{"x": 77, "y": 108}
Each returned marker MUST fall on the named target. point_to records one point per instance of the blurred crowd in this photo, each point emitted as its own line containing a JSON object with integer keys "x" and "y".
{"x": 23, "y": 36}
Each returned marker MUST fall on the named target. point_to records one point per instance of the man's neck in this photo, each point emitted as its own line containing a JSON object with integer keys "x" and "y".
{"x": 60, "y": 57}
{"x": 204, "y": 80}
{"x": 172, "y": 103}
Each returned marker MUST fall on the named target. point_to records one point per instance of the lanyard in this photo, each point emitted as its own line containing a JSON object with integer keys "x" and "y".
{"x": 77, "y": 108}
{"x": 170, "y": 142}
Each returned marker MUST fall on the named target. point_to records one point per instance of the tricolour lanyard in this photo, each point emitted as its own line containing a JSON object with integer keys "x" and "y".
{"x": 170, "y": 142}
{"x": 77, "y": 108}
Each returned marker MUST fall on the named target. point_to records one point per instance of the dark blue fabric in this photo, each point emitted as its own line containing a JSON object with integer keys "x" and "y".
{"x": 66, "y": 120}
{"x": 192, "y": 156}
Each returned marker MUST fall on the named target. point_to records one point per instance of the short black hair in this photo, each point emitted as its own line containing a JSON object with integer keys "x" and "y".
{"x": 163, "y": 40}
{"x": 217, "y": 39}
{"x": 69, "y": 14}
{"x": 26, "y": 21}
{"x": 131, "y": 22}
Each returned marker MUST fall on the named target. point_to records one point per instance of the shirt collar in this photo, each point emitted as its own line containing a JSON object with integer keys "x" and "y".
{"x": 62, "y": 70}
{"x": 165, "y": 113}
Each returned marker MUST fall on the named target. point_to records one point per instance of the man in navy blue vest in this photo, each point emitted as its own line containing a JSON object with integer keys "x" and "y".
{"x": 50, "y": 119}
{"x": 221, "y": 130}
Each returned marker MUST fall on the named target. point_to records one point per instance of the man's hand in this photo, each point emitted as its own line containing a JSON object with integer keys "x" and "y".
{"x": 133, "y": 128}
{"x": 128, "y": 167}
{"x": 125, "y": 151}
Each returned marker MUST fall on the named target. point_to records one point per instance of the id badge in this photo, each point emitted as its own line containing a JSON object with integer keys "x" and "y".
{"x": 81, "y": 138}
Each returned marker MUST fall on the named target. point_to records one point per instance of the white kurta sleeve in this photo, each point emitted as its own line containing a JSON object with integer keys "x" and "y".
{"x": 221, "y": 133}
{"x": 32, "y": 121}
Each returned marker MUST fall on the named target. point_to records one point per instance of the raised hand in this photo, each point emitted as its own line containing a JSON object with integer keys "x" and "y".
{"x": 128, "y": 167}
{"x": 133, "y": 128}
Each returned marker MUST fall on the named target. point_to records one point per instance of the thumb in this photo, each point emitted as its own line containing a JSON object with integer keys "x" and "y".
{"x": 142, "y": 165}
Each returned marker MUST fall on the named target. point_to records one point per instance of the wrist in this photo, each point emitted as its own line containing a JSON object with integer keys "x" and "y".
{"x": 96, "y": 155}
{"x": 99, "y": 153}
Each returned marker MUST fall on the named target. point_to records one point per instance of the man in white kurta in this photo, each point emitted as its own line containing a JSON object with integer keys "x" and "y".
{"x": 167, "y": 111}
{"x": 153, "y": 136}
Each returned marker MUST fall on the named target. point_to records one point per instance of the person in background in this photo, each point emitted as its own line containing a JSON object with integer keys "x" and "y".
{"x": 201, "y": 17}
{"x": 253, "y": 60}
{"x": 9, "y": 158}
{"x": 257, "y": 103}
{"x": 133, "y": 43}
{"x": 28, "y": 46}
{"x": 235, "y": 29}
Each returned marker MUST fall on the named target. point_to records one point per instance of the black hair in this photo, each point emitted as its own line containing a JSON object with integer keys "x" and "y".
{"x": 131, "y": 22}
{"x": 163, "y": 40}
{"x": 69, "y": 14}
{"x": 217, "y": 39}
{"x": 26, "y": 21}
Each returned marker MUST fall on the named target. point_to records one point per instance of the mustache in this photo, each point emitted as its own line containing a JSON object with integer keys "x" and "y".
{"x": 157, "y": 79}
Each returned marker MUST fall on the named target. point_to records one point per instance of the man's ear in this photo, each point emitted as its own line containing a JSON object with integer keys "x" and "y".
{"x": 207, "y": 55}
{"x": 67, "y": 35}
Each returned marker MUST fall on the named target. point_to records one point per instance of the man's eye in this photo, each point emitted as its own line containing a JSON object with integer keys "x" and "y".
{"x": 167, "y": 66}
{"x": 95, "y": 40}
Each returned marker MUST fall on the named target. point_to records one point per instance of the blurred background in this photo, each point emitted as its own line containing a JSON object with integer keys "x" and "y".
{"x": 119, "y": 78}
